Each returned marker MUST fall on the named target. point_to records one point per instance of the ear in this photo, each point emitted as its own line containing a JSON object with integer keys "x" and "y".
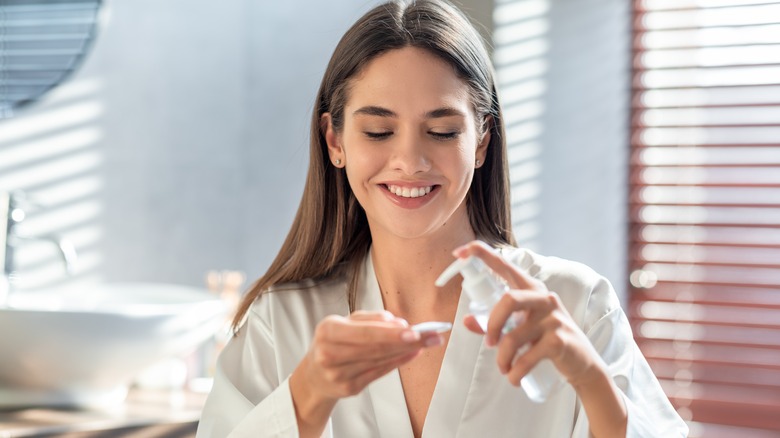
{"x": 333, "y": 140}
{"x": 482, "y": 146}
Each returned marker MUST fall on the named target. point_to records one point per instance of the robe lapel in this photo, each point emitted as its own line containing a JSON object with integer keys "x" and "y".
{"x": 386, "y": 393}
{"x": 455, "y": 378}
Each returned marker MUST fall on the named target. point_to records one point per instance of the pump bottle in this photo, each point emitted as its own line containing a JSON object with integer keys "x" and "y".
{"x": 484, "y": 290}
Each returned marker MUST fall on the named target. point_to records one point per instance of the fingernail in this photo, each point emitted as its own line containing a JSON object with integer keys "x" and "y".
{"x": 410, "y": 336}
{"x": 433, "y": 341}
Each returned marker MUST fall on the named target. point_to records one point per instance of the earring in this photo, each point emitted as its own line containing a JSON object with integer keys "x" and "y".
{"x": 338, "y": 161}
{"x": 478, "y": 163}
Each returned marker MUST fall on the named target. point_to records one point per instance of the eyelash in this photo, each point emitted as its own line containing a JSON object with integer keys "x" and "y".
{"x": 445, "y": 135}
{"x": 438, "y": 135}
{"x": 377, "y": 135}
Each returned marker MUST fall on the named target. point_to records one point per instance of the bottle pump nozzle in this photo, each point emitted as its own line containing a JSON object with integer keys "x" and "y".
{"x": 478, "y": 281}
{"x": 469, "y": 267}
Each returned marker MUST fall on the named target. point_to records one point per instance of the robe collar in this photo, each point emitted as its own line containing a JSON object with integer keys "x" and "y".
{"x": 452, "y": 387}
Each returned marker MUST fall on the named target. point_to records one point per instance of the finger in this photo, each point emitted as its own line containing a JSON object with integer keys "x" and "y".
{"x": 514, "y": 342}
{"x": 525, "y": 363}
{"x": 519, "y": 306}
{"x": 470, "y": 321}
{"x": 516, "y": 278}
{"x": 352, "y": 378}
{"x": 372, "y": 315}
{"x": 347, "y": 331}
{"x": 429, "y": 340}
{"x": 333, "y": 355}
{"x": 377, "y": 315}
{"x": 353, "y": 370}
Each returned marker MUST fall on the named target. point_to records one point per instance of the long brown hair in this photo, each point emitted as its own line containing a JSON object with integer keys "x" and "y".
{"x": 330, "y": 236}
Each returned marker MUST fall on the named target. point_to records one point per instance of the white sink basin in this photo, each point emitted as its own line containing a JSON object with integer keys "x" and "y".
{"x": 83, "y": 348}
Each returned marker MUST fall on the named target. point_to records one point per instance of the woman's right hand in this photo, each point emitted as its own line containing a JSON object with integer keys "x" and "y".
{"x": 346, "y": 355}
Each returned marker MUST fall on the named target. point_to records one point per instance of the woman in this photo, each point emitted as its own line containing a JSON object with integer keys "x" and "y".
{"x": 408, "y": 169}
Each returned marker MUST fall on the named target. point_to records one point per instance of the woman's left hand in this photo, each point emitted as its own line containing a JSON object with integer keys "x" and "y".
{"x": 547, "y": 326}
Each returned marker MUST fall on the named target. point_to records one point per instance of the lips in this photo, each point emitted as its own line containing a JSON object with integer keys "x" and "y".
{"x": 410, "y": 196}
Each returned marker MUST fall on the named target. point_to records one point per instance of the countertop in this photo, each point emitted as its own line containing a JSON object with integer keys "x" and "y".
{"x": 145, "y": 413}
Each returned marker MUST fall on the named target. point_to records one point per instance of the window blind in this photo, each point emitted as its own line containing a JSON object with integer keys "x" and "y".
{"x": 705, "y": 209}
{"x": 41, "y": 43}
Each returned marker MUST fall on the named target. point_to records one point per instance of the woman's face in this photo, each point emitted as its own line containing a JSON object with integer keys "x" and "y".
{"x": 409, "y": 144}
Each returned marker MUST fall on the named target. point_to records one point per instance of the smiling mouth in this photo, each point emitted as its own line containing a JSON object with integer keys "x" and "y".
{"x": 406, "y": 192}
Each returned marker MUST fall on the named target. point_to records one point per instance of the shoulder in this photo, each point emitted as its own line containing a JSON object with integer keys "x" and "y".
{"x": 587, "y": 295}
{"x": 300, "y": 304}
{"x": 551, "y": 269}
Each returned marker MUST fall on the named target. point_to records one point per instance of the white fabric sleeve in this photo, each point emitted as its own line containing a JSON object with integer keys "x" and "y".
{"x": 650, "y": 414}
{"x": 248, "y": 399}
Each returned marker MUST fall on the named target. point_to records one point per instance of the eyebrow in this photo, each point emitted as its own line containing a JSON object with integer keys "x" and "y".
{"x": 384, "y": 112}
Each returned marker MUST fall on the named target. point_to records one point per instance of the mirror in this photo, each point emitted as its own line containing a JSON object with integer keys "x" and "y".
{"x": 42, "y": 42}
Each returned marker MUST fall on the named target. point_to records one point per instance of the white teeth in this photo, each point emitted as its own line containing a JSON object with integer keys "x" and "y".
{"x": 406, "y": 192}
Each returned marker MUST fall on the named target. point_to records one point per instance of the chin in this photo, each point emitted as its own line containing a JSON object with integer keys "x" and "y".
{"x": 413, "y": 231}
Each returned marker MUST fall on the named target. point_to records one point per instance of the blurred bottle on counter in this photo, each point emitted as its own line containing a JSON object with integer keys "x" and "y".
{"x": 226, "y": 284}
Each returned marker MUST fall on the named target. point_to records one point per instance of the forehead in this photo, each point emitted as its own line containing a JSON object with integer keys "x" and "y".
{"x": 409, "y": 81}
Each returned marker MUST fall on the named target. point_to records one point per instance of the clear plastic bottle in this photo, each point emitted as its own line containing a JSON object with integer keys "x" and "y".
{"x": 484, "y": 290}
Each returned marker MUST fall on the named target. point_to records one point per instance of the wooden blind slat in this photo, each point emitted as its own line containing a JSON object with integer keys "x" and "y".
{"x": 710, "y": 37}
{"x": 688, "y": 195}
{"x": 759, "y": 54}
{"x": 754, "y": 116}
{"x": 703, "y": 17}
{"x": 715, "y": 294}
{"x": 706, "y": 372}
{"x": 699, "y": 176}
{"x": 706, "y": 77}
{"x": 751, "y": 356}
{"x": 695, "y": 215}
{"x": 708, "y": 97}
{"x": 661, "y": 5}
{"x": 704, "y": 235}
{"x": 714, "y": 314}
{"x": 685, "y": 154}
{"x": 699, "y": 254}
{"x": 713, "y": 136}
{"x": 713, "y": 334}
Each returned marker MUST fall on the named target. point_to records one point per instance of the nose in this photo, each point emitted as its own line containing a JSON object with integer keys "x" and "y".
{"x": 410, "y": 155}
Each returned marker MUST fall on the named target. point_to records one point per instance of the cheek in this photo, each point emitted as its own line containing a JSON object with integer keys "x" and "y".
{"x": 461, "y": 157}
{"x": 461, "y": 165}
{"x": 361, "y": 165}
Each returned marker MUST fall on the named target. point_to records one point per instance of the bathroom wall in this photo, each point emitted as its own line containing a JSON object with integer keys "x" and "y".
{"x": 181, "y": 144}
{"x": 564, "y": 75}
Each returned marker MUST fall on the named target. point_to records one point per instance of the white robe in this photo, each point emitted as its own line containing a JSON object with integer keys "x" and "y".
{"x": 251, "y": 396}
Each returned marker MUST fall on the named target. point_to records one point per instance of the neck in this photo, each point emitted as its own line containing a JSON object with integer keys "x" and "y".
{"x": 406, "y": 270}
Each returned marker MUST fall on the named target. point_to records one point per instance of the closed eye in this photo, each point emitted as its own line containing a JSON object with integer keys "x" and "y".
{"x": 444, "y": 135}
{"x": 378, "y": 135}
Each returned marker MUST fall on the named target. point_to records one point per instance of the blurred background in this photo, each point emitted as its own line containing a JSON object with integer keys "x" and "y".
{"x": 644, "y": 141}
